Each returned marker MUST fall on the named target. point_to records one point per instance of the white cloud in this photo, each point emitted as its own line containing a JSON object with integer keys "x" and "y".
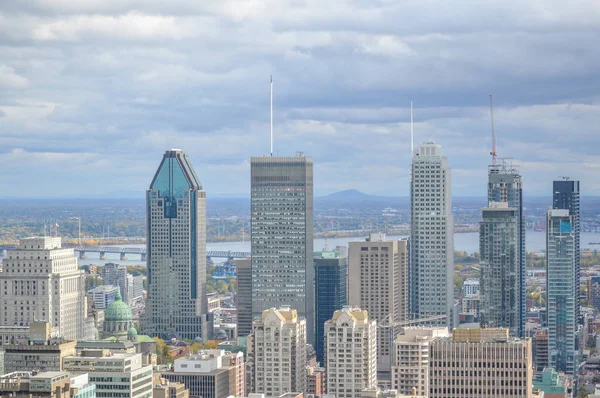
{"x": 10, "y": 79}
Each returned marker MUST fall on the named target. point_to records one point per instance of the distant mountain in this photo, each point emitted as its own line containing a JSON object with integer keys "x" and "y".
{"x": 350, "y": 194}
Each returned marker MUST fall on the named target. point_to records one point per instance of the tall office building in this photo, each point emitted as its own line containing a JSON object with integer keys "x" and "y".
{"x": 432, "y": 235}
{"x": 378, "y": 283}
{"x": 505, "y": 184}
{"x": 278, "y": 348}
{"x": 244, "y": 296}
{"x": 131, "y": 286}
{"x": 331, "y": 292}
{"x": 41, "y": 281}
{"x": 351, "y": 353}
{"x": 176, "y": 247}
{"x": 562, "y": 289}
{"x": 499, "y": 249}
{"x": 566, "y": 196}
{"x": 282, "y": 235}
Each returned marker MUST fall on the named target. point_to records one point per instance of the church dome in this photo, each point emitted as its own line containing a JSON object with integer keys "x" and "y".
{"x": 131, "y": 333}
{"x": 118, "y": 310}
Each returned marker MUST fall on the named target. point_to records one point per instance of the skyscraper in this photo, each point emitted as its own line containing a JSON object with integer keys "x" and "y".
{"x": 505, "y": 184}
{"x": 562, "y": 289}
{"x": 331, "y": 292}
{"x": 176, "y": 247}
{"x": 499, "y": 250}
{"x": 377, "y": 282}
{"x": 566, "y": 196}
{"x": 40, "y": 280}
{"x": 282, "y": 235}
{"x": 432, "y": 235}
{"x": 244, "y": 296}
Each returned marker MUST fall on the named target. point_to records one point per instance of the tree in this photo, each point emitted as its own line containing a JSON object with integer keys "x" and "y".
{"x": 222, "y": 286}
{"x": 233, "y": 287}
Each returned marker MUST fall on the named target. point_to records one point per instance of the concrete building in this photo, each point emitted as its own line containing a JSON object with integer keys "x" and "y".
{"x": 480, "y": 363}
{"x": 132, "y": 288}
{"x": 499, "y": 248}
{"x": 176, "y": 251}
{"x": 378, "y": 283}
{"x": 122, "y": 374}
{"x": 103, "y": 296}
{"x": 331, "y": 292}
{"x": 470, "y": 287}
{"x": 278, "y": 350}
{"x": 315, "y": 381}
{"x": 41, "y": 281}
{"x": 594, "y": 290}
{"x": 410, "y": 369}
{"x": 351, "y": 352}
{"x": 505, "y": 184}
{"x": 45, "y": 384}
{"x": 471, "y": 305}
{"x": 432, "y": 236}
{"x": 282, "y": 236}
{"x": 562, "y": 289}
{"x": 553, "y": 384}
{"x": 540, "y": 349}
{"x": 163, "y": 388}
{"x": 210, "y": 374}
{"x": 244, "y": 296}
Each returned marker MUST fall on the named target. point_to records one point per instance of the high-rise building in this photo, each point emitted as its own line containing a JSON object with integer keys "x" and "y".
{"x": 41, "y": 281}
{"x": 540, "y": 349}
{"x": 278, "y": 349}
{"x": 351, "y": 356}
{"x": 470, "y": 287}
{"x": 410, "y": 369}
{"x": 176, "y": 250}
{"x": 282, "y": 235}
{"x": 566, "y": 196}
{"x": 480, "y": 363}
{"x": 594, "y": 290}
{"x": 331, "y": 292}
{"x": 500, "y": 289}
{"x": 505, "y": 184}
{"x": 562, "y": 289}
{"x": 378, "y": 283}
{"x": 244, "y": 296}
{"x": 103, "y": 296}
{"x": 432, "y": 235}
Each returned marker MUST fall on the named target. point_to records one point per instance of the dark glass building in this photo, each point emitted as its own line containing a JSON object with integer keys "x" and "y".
{"x": 331, "y": 291}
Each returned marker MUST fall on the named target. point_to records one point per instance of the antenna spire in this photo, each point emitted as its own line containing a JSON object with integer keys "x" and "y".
{"x": 271, "y": 115}
{"x": 493, "y": 153}
{"x": 412, "y": 135}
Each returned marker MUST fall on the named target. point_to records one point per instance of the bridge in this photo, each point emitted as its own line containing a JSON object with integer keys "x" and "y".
{"x": 124, "y": 251}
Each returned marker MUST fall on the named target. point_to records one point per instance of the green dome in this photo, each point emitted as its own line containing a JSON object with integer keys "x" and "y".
{"x": 132, "y": 332}
{"x": 118, "y": 310}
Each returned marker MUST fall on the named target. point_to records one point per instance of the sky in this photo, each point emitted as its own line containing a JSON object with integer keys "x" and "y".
{"x": 92, "y": 92}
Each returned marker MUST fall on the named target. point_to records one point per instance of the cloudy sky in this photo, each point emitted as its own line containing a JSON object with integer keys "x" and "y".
{"x": 93, "y": 91}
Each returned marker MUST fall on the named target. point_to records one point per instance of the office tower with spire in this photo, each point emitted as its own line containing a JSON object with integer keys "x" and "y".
{"x": 432, "y": 235}
{"x": 562, "y": 287}
{"x": 282, "y": 235}
{"x": 176, "y": 248}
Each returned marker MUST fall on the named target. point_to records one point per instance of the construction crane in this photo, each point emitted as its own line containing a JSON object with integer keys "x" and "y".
{"x": 386, "y": 321}
{"x": 493, "y": 153}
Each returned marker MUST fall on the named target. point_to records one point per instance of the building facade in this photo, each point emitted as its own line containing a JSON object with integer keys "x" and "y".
{"x": 480, "y": 363}
{"x": 562, "y": 290}
{"x": 500, "y": 289}
{"x": 41, "y": 281}
{"x": 176, "y": 251}
{"x": 432, "y": 236}
{"x": 103, "y": 296}
{"x": 331, "y": 292}
{"x": 410, "y": 369}
{"x": 244, "y": 296}
{"x": 351, "y": 352}
{"x": 278, "y": 349}
{"x": 505, "y": 184}
{"x": 282, "y": 235}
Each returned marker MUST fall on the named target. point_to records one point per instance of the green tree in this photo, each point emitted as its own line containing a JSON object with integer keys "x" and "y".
{"x": 222, "y": 286}
{"x": 232, "y": 283}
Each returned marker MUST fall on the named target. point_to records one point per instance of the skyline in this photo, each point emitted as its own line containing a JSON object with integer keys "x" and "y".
{"x": 103, "y": 88}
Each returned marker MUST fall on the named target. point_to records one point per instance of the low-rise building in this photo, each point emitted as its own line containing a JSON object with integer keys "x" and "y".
{"x": 163, "y": 388}
{"x": 553, "y": 384}
{"x": 315, "y": 381}
{"x": 45, "y": 384}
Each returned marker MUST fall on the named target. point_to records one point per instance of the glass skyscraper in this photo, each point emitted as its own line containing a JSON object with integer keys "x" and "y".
{"x": 331, "y": 292}
{"x": 176, "y": 248}
{"x": 282, "y": 236}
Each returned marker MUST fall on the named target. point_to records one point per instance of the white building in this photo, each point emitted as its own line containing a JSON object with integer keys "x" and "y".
{"x": 103, "y": 296}
{"x": 132, "y": 289}
{"x": 378, "y": 283}
{"x": 115, "y": 375}
{"x": 411, "y": 359}
{"x": 432, "y": 235}
{"x": 278, "y": 348}
{"x": 351, "y": 352}
{"x": 41, "y": 281}
{"x": 470, "y": 287}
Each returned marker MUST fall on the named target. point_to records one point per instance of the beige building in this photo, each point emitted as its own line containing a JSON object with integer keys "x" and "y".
{"x": 378, "y": 283}
{"x": 350, "y": 352}
{"x": 410, "y": 367}
{"x": 163, "y": 388}
{"x": 278, "y": 349}
{"x": 45, "y": 385}
{"x": 41, "y": 281}
{"x": 479, "y": 363}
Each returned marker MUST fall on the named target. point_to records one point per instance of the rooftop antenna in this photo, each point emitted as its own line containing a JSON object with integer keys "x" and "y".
{"x": 493, "y": 153}
{"x": 271, "y": 115}
{"x": 566, "y": 178}
{"x": 412, "y": 140}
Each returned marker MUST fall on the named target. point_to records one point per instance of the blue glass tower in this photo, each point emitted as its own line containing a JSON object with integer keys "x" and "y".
{"x": 331, "y": 292}
{"x": 176, "y": 251}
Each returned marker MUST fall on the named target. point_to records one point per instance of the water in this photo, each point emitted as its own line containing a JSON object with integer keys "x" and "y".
{"x": 468, "y": 242}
